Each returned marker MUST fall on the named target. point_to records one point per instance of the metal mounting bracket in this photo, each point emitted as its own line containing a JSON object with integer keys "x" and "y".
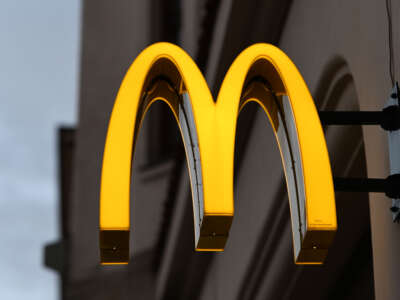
{"x": 389, "y": 120}
{"x": 394, "y": 150}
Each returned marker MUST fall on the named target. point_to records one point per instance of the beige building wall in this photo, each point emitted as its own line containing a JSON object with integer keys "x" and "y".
{"x": 320, "y": 32}
{"x": 112, "y": 36}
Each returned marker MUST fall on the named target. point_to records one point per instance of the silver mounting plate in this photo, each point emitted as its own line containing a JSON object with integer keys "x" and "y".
{"x": 394, "y": 151}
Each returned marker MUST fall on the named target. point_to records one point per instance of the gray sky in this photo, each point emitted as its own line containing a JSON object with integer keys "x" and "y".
{"x": 39, "y": 59}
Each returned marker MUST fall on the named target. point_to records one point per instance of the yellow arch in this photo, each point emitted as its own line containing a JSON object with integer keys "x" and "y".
{"x": 209, "y": 135}
{"x": 168, "y": 61}
{"x": 309, "y": 178}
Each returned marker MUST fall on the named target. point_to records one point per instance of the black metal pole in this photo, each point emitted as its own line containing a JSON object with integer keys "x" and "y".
{"x": 351, "y": 117}
{"x": 390, "y": 186}
{"x": 388, "y": 118}
{"x": 360, "y": 185}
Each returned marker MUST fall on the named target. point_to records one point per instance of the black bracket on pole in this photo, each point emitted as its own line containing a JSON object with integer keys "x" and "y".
{"x": 390, "y": 186}
{"x": 389, "y": 120}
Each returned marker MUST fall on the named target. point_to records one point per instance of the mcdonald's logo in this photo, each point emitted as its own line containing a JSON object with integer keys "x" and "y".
{"x": 261, "y": 73}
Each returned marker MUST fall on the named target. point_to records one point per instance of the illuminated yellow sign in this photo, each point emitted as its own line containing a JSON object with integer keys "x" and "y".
{"x": 261, "y": 73}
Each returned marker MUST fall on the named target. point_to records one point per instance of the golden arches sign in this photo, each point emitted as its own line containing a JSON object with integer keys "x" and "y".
{"x": 261, "y": 73}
